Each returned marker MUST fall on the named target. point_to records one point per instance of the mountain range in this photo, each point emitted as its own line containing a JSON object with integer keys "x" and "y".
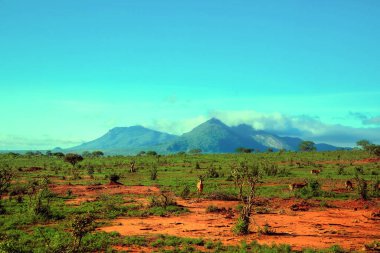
{"x": 212, "y": 136}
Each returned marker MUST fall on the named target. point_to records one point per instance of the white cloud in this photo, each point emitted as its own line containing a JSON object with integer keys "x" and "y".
{"x": 15, "y": 142}
{"x": 306, "y": 127}
{"x": 176, "y": 127}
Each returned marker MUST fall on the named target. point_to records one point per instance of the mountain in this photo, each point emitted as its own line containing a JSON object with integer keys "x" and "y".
{"x": 125, "y": 140}
{"x": 212, "y": 136}
{"x": 266, "y": 139}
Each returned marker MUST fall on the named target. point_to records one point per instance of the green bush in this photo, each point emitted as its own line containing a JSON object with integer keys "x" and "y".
{"x": 153, "y": 173}
{"x": 241, "y": 227}
{"x": 185, "y": 193}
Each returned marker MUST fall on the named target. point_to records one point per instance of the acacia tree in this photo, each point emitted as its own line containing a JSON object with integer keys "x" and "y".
{"x": 73, "y": 158}
{"x": 246, "y": 178}
{"x": 97, "y": 153}
{"x": 81, "y": 225}
{"x": 369, "y": 147}
{"x": 307, "y": 146}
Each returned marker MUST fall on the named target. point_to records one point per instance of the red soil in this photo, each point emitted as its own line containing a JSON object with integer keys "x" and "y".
{"x": 349, "y": 224}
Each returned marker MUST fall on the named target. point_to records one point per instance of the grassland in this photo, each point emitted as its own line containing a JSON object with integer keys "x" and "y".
{"x": 48, "y": 197}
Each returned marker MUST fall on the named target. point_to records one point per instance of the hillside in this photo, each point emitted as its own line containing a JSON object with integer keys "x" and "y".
{"x": 212, "y": 136}
{"x": 124, "y": 139}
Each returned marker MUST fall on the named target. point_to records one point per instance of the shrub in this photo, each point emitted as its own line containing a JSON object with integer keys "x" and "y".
{"x": 153, "y": 173}
{"x": 212, "y": 173}
{"x": 135, "y": 240}
{"x": 313, "y": 189}
{"x": 162, "y": 200}
{"x": 241, "y": 227}
{"x": 81, "y": 225}
{"x": 215, "y": 209}
{"x": 359, "y": 170}
{"x": 341, "y": 171}
{"x": 114, "y": 177}
{"x": 185, "y": 193}
{"x": 362, "y": 188}
{"x": 266, "y": 230}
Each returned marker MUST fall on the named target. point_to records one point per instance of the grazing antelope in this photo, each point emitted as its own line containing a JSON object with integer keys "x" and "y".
{"x": 200, "y": 186}
{"x": 349, "y": 185}
{"x": 316, "y": 172}
{"x": 294, "y": 186}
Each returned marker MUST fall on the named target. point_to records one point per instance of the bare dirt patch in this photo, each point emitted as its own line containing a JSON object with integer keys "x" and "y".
{"x": 84, "y": 193}
{"x": 316, "y": 228}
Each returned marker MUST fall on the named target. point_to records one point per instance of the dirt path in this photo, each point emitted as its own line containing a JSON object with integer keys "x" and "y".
{"x": 316, "y": 228}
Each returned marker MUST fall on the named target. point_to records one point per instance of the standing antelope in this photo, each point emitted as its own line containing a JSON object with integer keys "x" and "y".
{"x": 316, "y": 172}
{"x": 348, "y": 184}
{"x": 133, "y": 166}
{"x": 200, "y": 186}
{"x": 294, "y": 186}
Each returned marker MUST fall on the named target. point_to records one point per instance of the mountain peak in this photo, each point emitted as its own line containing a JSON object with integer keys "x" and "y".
{"x": 214, "y": 121}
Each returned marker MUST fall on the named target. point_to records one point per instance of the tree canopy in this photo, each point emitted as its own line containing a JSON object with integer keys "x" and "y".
{"x": 73, "y": 158}
{"x": 307, "y": 146}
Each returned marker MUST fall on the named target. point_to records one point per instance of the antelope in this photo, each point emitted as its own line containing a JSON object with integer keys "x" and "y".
{"x": 316, "y": 172}
{"x": 349, "y": 185}
{"x": 133, "y": 166}
{"x": 200, "y": 185}
{"x": 294, "y": 186}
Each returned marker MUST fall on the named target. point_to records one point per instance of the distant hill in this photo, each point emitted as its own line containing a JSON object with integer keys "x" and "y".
{"x": 125, "y": 140}
{"x": 212, "y": 136}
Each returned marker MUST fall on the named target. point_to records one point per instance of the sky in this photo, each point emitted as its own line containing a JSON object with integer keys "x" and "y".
{"x": 71, "y": 70}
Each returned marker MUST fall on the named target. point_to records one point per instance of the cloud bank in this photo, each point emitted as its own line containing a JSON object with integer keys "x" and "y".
{"x": 303, "y": 126}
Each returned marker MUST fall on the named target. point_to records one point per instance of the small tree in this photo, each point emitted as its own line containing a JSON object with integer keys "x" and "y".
{"x": 362, "y": 187}
{"x": 153, "y": 172}
{"x": 86, "y": 154}
{"x": 81, "y": 225}
{"x": 369, "y": 147}
{"x": 59, "y": 154}
{"x": 151, "y": 153}
{"x": 39, "y": 198}
{"x": 246, "y": 178}
{"x": 307, "y": 146}
{"x": 195, "y": 151}
{"x": 243, "y": 150}
{"x": 73, "y": 159}
{"x": 97, "y": 153}
{"x": 363, "y": 144}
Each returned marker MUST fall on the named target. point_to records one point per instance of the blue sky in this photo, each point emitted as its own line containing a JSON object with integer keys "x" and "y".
{"x": 71, "y": 70}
